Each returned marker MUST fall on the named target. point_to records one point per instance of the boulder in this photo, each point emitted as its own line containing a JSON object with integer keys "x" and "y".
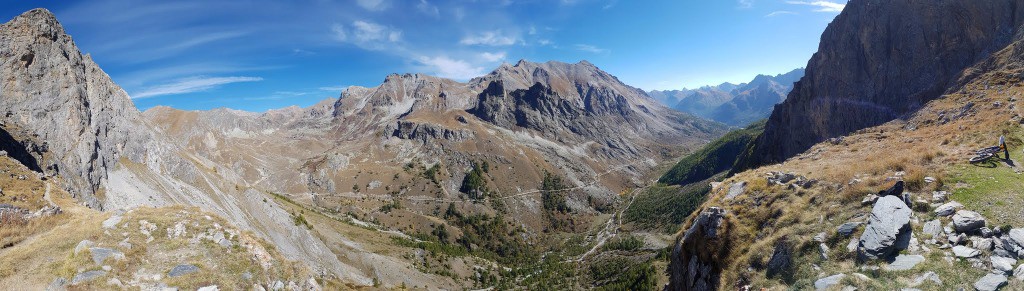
{"x": 889, "y": 222}
{"x": 904, "y": 262}
{"x": 824, "y": 283}
{"x": 1002, "y": 264}
{"x": 990, "y": 282}
{"x": 1019, "y": 272}
{"x": 965, "y": 252}
{"x": 1017, "y": 235}
{"x": 948, "y": 208}
{"x": 102, "y": 254}
{"x": 967, "y": 221}
{"x": 781, "y": 261}
{"x": 984, "y": 244}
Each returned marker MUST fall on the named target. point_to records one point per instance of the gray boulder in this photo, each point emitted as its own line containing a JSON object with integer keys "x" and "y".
{"x": 967, "y": 221}
{"x": 965, "y": 252}
{"x": 1002, "y": 264}
{"x": 1019, "y": 272}
{"x": 736, "y": 189}
{"x": 889, "y": 223}
{"x": 904, "y": 262}
{"x": 933, "y": 228}
{"x": 102, "y": 254}
{"x": 1017, "y": 235}
{"x": 990, "y": 282}
{"x": 824, "y": 283}
{"x": 948, "y": 208}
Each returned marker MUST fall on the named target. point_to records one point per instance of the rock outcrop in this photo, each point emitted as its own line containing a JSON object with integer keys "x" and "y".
{"x": 879, "y": 60}
{"x": 691, "y": 266}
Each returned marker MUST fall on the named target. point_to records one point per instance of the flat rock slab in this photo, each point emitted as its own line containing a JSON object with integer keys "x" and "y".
{"x": 87, "y": 276}
{"x": 990, "y": 282}
{"x": 1002, "y": 264}
{"x": 904, "y": 262}
{"x": 948, "y": 208}
{"x": 736, "y": 189}
{"x": 848, "y": 228}
{"x": 965, "y": 252}
{"x": 967, "y": 221}
{"x": 102, "y": 254}
{"x": 933, "y": 228}
{"x": 112, "y": 222}
{"x": 929, "y": 276}
{"x": 181, "y": 270}
{"x": 83, "y": 245}
{"x": 824, "y": 283}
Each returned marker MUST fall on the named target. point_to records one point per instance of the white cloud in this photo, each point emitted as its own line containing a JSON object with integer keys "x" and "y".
{"x": 449, "y": 68}
{"x": 823, "y": 6}
{"x": 428, "y": 9}
{"x": 780, "y": 13}
{"x": 746, "y": 3}
{"x": 590, "y": 48}
{"x": 339, "y": 32}
{"x": 533, "y": 30}
{"x": 373, "y": 5}
{"x": 493, "y": 57}
{"x": 491, "y": 38}
{"x": 189, "y": 85}
{"x": 610, "y": 4}
{"x": 371, "y": 32}
{"x": 544, "y": 42}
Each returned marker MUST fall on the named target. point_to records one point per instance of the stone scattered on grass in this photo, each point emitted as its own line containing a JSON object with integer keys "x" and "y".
{"x": 990, "y": 282}
{"x": 965, "y": 252}
{"x": 824, "y": 283}
{"x": 904, "y": 262}
{"x": 181, "y": 270}
{"x": 87, "y": 276}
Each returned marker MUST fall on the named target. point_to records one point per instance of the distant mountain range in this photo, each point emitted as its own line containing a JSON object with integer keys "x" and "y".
{"x": 732, "y": 104}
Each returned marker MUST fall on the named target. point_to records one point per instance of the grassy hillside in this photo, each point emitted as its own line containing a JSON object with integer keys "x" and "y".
{"x": 714, "y": 158}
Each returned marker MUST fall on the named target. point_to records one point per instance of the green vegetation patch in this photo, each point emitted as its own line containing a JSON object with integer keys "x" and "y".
{"x": 665, "y": 207}
{"x": 716, "y": 157}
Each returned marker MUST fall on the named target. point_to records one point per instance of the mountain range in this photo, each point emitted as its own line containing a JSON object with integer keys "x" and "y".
{"x": 732, "y": 104}
{"x": 526, "y": 151}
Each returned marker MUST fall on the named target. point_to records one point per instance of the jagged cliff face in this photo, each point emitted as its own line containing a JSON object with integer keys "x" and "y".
{"x": 76, "y": 120}
{"x": 879, "y": 60}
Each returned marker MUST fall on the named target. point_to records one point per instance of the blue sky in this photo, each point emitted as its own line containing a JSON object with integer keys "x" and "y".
{"x": 262, "y": 54}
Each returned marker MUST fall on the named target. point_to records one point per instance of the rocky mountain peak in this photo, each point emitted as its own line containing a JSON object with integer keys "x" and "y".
{"x": 40, "y": 20}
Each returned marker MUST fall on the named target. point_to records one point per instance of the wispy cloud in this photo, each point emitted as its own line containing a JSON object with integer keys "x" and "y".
{"x": 491, "y": 38}
{"x": 428, "y": 9}
{"x": 450, "y": 68}
{"x": 590, "y": 48}
{"x": 780, "y": 13}
{"x": 366, "y": 34}
{"x": 333, "y": 88}
{"x": 745, "y": 3}
{"x": 823, "y": 6}
{"x": 493, "y": 57}
{"x": 373, "y": 5}
{"x": 189, "y": 85}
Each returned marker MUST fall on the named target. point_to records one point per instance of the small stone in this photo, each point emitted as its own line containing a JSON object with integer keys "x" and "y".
{"x": 870, "y": 199}
{"x": 87, "y": 276}
{"x": 852, "y": 246}
{"x": 967, "y": 221}
{"x": 209, "y": 288}
{"x": 57, "y": 284}
{"x": 824, "y": 283}
{"x": 820, "y": 237}
{"x": 985, "y": 232}
{"x": 990, "y": 282}
{"x": 904, "y": 262}
{"x": 1017, "y": 235}
{"x": 929, "y": 180}
{"x": 940, "y": 196}
{"x": 107, "y": 268}
{"x": 124, "y": 244}
{"x": 1018, "y": 273}
{"x": 929, "y": 276}
{"x": 823, "y": 249}
{"x": 965, "y": 252}
{"x": 1002, "y": 264}
{"x": 181, "y": 270}
{"x": 948, "y": 208}
{"x": 984, "y": 244}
